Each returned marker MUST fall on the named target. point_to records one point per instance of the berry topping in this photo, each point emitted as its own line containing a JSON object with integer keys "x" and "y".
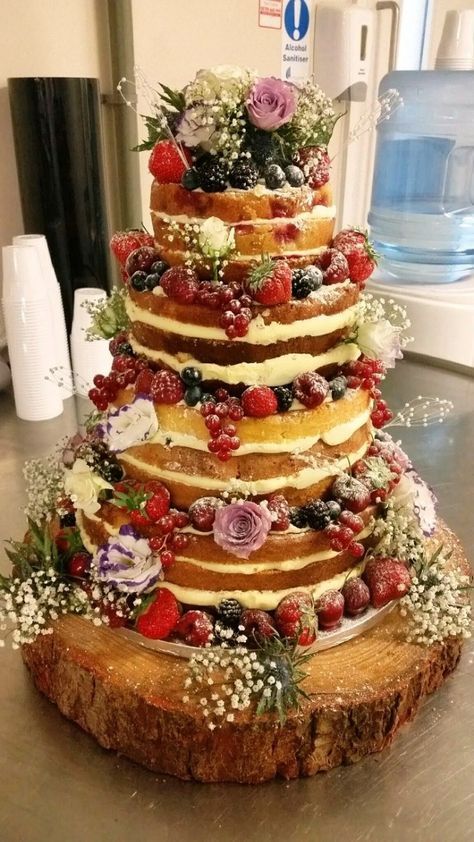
{"x": 330, "y": 608}
{"x": 270, "y": 282}
{"x": 191, "y": 376}
{"x": 298, "y": 517}
{"x": 213, "y": 174}
{"x": 166, "y": 164}
{"x": 295, "y": 617}
{"x": 192, "y": 395}
{"x": 190, "y": 179}
{"x": 315, "y": 163}
{"x": 317, "y": 514}
{"x": 159, "y": 503}
{"x": 334, "y": 265}
{"x": 181, "y": 284}
{"x": 359, "y": 252}
{"x": 305, "y": 281}
{"x": 280, "y": 512}
{"x": 274, "y": 177}
{"x": 381, "y": 414}
{"x": 356, "y": 597}
{"x": 229, "y": 611}
{"x": 79, "y": 564}
{"x": 387, "y": 579}
{"x": 141, "y": 260}
{"x": 144, "y": 381}
{"x": 284, "y": 396}
{"x": 334, "y": 509}
{"x": 124, "y": 242}
{"x": 166, "y": 387}
{"x": 195, "y": 628}
{"x": 294, "y": 175}
{"x": 139, "y": 281}
{"x": 257, "y": 623}
{"x": 353, "y": 521}
{"x": 153, "y": 279}
{"x": 264, "y": 147}
{"x": 243, "y": 175}
{"x": 338, "y": 387}
{"x": 159, "y": 617}
{"x": 351, "y": 493}
{"x": 259, "y": 401}
{"x": 310, "y": 389}
{"x": 203, "y": 512}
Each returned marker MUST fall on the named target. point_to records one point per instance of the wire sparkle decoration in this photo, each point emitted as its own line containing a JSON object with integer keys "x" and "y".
{"x": 385, "y": 105}
{"x": 422, "y": 412}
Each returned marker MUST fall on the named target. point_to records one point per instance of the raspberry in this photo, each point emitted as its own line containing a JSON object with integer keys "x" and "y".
{"x": 315, "y": 163}
{"x": 334, "y": 265}
{"x": 330, "y": 608}
{"x": 230, "y": 612}
{"x": 356, "y": 549}
{"x": 195, "y": 628}
{"x": 124, "y": 242}
{"x": 181, "y": 284}
{"x": 166, "y": 164}
{"x": 257, "y": 624}
{"x": 144, "y": 381}
{"x": 166, "y": 387}
{"x": 160, "y": 616}
{"x": 310, "y": 389}
{"x": 356, "y": 597}
{"x": 140, "y": 260}
{"x": 202, "y": 513}
{"x": 280, "y": 510}
{"x": 259, "y": 401}
{"x": 317, "y": 514}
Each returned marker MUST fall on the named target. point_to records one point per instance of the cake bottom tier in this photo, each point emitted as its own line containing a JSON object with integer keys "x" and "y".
{"x": 130, "y": 700}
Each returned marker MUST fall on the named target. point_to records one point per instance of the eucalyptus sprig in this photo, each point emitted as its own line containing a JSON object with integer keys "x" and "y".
{"x": 109, "y": 316}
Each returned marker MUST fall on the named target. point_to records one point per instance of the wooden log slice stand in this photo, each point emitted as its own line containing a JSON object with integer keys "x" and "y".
{"x": 130, "y": 700}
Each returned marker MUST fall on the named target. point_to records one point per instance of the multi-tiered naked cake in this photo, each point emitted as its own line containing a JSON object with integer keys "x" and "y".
{"x": 234, "y": 500}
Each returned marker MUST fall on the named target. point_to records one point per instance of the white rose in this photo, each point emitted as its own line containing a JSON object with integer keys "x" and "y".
{"x": 215, "y": 238}
{"x": 380, "y": 341}
{"x": 83, "y": 486}
{"x": 222, "y": 77}
{"x": 130, "y": 425}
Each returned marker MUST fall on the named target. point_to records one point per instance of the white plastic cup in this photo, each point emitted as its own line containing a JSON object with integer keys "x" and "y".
{"x": 31, "y": 347}
{"x": 89, "y": 357}
{"x": 456, "y": 47}
{"x": 63, "y": 361}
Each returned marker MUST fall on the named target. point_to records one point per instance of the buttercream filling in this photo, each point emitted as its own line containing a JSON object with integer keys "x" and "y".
{"x": 259, "y": 333}
{"x": 318, "y": 212}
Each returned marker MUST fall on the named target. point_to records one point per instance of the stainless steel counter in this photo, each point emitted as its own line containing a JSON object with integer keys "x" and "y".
{"x": 57, "y": 785}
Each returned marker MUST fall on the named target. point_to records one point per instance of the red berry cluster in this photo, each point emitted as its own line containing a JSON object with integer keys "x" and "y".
{"x": 125, "y": 370}
{"x": 365, "y": 373}
{"x": 218, "y": 418}
{"x": 381, "y": 414}
{"x": 234, "y": 304}
{"x": 341, "y": 534}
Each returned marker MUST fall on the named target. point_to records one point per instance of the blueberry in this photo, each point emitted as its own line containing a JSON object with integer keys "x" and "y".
{"x": 126, "y": 349}
{"x": 192, "y": 395}
{"x": 158, "y": 267}
{"x": 338, "y": 387}
{"x": 334, "y": 509}
{"x": 113, "y": 472}
{"x": 138, "y": 281}
{"x": 190, "y": 179}
{"x": 152, "y": 280}
{"x": 274, "y": 177}
{"x": 294, "y": 175}
{"x": 69, "y": 519}
{"x": 191, "y": 376}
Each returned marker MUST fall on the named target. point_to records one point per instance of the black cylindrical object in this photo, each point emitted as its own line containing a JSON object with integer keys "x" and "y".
{"x": 56, "y": 128}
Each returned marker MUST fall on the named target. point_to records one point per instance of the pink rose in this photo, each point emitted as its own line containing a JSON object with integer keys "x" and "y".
{"x": 271, "y": 103}
{"x": 241, "y": 528}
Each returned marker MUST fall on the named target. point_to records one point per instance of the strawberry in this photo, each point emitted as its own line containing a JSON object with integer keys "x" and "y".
{"x": 159, "y": 616}
{"x": 180, "y": 283}
{"x": 257, "y": 623}
{"x": 334, "y": 265}
{"x": 350, "y": 493}
{"x": 295, "y": 617}
{"x": 280, "y": 512}
{"x": 270, "y": 282}
{"x": 259, "y": 401}
{"x": 124, "y": 242}
{"x": 166, "y": 164}
{"x": 158, "y": 504}
{"x": 139, "y": 519}
{"x": 195, "y": 628}
{"x": 387, "y": 579}
{"x": 315, "y": 163}
{"x": 141, "y": 260}
{"x": 359, "y": 252}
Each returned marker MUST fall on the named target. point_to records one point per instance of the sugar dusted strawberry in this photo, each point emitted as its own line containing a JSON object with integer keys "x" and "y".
{"x": 330, "y": 608}
{"x": 356, "y": 597}
{"x": 159, "y": 503}
{"x": 334, "y": 265}
{"x": 314, "y": 162}
{"x": 295, "y": 617}
{"x": 160, "y": 615}
{"x": 269, "y": 282}
{"x": 195, "y": 628}
{"x": 123, "y": 243}
{"x": 181, "y": 284}
{"x": 359, "y": 252}
{"x": 257, "y": 624}
{"x": 166, "y": 163}
{"x": 350, "y": 493}
{"x": 280, "y": 512}
{"x": 259, "y": 401}
{"x": 387, "y": 579}
{"x": 310, "y": 389}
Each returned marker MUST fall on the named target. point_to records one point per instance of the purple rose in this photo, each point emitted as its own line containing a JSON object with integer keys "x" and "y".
{"x": 242, "y": 528}
{"x": 271, "y": 103}
{"x": 126, "y": 562}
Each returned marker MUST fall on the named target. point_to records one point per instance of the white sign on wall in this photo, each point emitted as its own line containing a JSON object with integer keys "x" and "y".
{"x": 296, "y": 39}
{"x": 269, "y": 14}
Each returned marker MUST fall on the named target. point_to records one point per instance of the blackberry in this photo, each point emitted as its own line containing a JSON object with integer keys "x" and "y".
{"x": 274, "y": 177}
{"x": 264, "y": 148}
{"x": 306, "y": 280}
{"x": 294, "y": 175}
{"x": 191, "y": 179}
{"x": 243, "y": 175}
{"x": 334, "y": 509}
{"x": 317, "y": 514}
{"x": 192, "y": 395}
{"x": 69, "y": 519}
{"x": 284, "y": 396}
{"x": 298, "y": 517}
{"x": 138, "y": 281}
{"x": 229, "y": 612}
{"x": 213, "y": 175}
{"x": 338, "y": 387}
{"x": 191, "y": 376}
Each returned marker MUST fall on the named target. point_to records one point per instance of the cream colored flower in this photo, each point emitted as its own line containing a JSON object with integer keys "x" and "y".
{"x": 215, "y": 238}
{"x": 83, "y": 486}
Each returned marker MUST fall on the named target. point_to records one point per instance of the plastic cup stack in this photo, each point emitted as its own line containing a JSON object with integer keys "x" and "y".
{"x": 58, "y": 325}
{"x": 88, "y": 357}
{"x": 31, "y": 345}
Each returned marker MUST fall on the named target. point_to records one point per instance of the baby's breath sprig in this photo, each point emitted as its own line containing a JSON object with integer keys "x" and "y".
{"x": 398, "y": 534}
{"x": 44, "y": 479}
{"x": 436, "y": 605}
{"x": 109, "y": 316}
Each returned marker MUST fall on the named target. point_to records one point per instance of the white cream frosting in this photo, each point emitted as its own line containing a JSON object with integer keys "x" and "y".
{"x": 318, "y": 212}
{"x": 273, "y": 372}
{"x": 259, "y": 333}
